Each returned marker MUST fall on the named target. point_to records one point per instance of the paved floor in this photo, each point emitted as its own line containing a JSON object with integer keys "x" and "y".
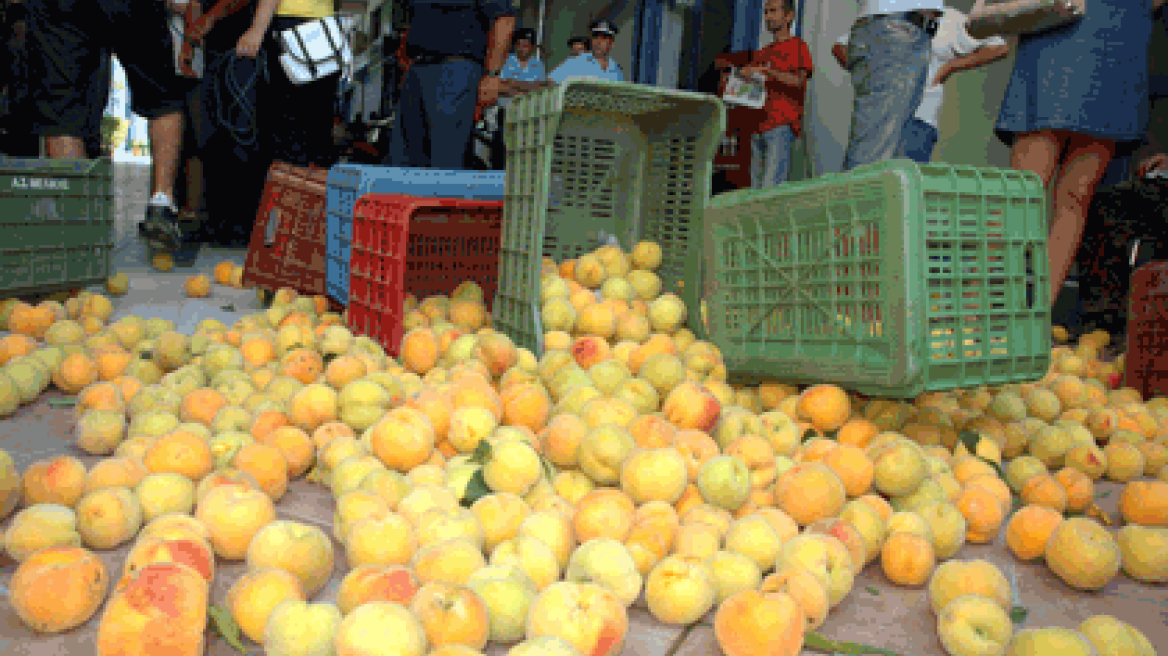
{"x": 876, "y": 613}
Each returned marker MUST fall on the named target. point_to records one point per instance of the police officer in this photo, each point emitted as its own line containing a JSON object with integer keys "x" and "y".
{"x": 596, "y": 64}
{"x": 577, "y": 45}
{"x": 457, "y": 48}
{"x": 522, "y": 73}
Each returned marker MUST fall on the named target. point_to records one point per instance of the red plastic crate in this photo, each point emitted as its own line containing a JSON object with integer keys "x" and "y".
{"x": 420, "y": 246}
{"x": 287, "y": 247}
{"x": 1146, "y": 364}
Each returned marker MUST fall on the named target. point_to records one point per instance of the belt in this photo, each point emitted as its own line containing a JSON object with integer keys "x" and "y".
{"x": 924, "y": 20}
{"x": 442, "y": 59}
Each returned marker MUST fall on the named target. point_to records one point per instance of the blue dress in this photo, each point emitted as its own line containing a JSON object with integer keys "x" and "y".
{"x": 1089, "y": 77}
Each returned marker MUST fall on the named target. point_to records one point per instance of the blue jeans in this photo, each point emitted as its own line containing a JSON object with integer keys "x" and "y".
{"x": 889, "y": 59}
{"x": 435, "y": 116}
{"x": 918, "y": 141}
{"x": 770, "y": 157}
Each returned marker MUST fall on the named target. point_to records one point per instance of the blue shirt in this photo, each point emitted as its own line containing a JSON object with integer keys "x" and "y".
{"x": 514, "y": 70}
{"x": 585, "y": 65}
{"x": 454, "y": 27}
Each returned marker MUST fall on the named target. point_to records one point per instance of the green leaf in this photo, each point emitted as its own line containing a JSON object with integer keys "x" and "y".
{"x": 63, "y": 401}
{"x": 816, "y": 642}
{"x": 1103, "y": 495}
{"x": 996, "y": 466}
{"x": 225, "y": 626}
{"x": 548, "y": 467}
{"x": 228, "y": 308}
{"x": 808, "y": 435}
{"x": 482, "y": 453}
{"x": 872, "y": 590}
{"x": 476, "y": 489}
{"x": 832, "y": 435}
{"x": 970, "y": 439}
{"x": 1018, "y": 614}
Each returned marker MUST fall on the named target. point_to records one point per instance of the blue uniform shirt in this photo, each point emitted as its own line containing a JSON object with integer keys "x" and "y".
{"x": 514, "y": 70}
{"x": 585, "y": 65}
{"x": 454, "y": 27}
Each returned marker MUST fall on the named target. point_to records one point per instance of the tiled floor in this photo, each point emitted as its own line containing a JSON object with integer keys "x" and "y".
{"x": 875, "y": 613}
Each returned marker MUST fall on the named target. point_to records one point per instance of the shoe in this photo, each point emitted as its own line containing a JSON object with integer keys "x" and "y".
{"x": 161, "y": 228}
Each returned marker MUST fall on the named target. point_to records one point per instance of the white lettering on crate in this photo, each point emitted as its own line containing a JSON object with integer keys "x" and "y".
{"x": 40, "y": 184}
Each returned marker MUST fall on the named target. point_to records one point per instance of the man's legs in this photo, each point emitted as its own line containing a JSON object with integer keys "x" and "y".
{"x": 449, "y": 98}
{"x": 407, "y": 136}
{"x": 770, "y": 157}
{"x": 889, "y": 65}
{"x": 918, "y": 141}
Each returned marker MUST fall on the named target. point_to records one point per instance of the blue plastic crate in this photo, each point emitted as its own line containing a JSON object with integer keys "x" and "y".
{"x": 348, "y": 182}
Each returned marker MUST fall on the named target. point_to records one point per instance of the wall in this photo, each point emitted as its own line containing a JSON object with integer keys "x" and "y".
{"x": 971, "y": 104}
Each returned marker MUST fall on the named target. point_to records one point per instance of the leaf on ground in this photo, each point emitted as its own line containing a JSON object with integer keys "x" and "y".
{"x": 1103, "y": 495}
{"x": 225, "y": 626}
{"x": 1018, "y": 614}
{"x": 228, "y": 308}
{"x": 63, "y": 401}
{"x": 969, "y": 440}
{"x": 482, "y": 453}
{"x": 1097, "y": 513}
{"x": 996, "y": 466}
{"x": 872, "y": 590}
{"x": 816, "y": 642}
{"x": 476, "y": 489}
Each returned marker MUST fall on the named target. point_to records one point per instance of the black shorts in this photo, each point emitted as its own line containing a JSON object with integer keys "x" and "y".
{"x": 68, "y": 43}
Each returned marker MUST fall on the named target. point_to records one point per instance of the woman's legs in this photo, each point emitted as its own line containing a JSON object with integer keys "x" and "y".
{"x": 1039, "y": 152}
{"x": 1083, "y": 164}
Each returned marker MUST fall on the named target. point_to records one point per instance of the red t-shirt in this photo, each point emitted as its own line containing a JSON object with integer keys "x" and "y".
{"x": 784, "y": 103}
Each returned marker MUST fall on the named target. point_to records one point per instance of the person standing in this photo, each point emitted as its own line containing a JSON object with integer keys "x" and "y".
{"x": 456, "y": 48}
{"x": 295, "y": 119}
{"x": 888, "y": 56}
{"x": 596, "y": 64}
{"x": 952, "y": 50}
{"x": 68, "y": 47}
{"x": 523, "y": 72}
{"x": 1077, "y": 97}
{"x": 577, "y": 45}
{"x": 785, "y": 65}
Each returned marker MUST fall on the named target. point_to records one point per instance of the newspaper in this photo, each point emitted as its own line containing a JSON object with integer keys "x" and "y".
{"x": 748, "y": 92}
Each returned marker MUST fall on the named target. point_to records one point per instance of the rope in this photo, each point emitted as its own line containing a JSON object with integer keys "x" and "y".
{"x": 225, "y": 85}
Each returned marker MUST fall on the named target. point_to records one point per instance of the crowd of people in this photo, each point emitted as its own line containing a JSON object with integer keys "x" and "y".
{"x": 1080, "y": 94}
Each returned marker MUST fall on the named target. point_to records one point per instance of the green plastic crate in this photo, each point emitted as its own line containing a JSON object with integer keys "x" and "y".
{"x": 57, "y": 217}
{"x": 589, "y": 162}
{"x": 892, "y": 280}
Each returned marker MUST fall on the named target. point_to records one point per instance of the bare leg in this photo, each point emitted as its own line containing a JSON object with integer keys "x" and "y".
{"x": 1038, "y": 152}
{"x": 165, "y": 140}
{"x": 1083, "y": 167}
{"x": 62, "y": 147}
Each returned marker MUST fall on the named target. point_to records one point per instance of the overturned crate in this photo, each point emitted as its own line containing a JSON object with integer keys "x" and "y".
{"x": 591, "y": 163}
{"x": 893, "y": 279}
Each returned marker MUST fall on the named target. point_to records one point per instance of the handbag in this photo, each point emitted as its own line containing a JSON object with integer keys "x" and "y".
{"x": 314, "y": 49}
{"x": 1017, "y": 17}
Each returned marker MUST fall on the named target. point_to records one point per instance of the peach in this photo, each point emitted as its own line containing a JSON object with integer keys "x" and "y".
{"x": 753, "y": 622}
{"x": 689, "y": 406}
{"x": 190, "y": 551}
{"x": 301, "y": 549}
{"x": 119, "y": 471}
{"x": 108, "y": 517}
{"x": 59, "y": 588}
{"x": 500, "y": 516}
{"x": 381, "y": 628}
{"x": 588, "y": 616}
{"x": 448, "y": 561}
{"x": 367, "y": 583}
{"x": 452, "y": 615}
{"x": 384, "y": 541}
{"x": 297, "y": 628}
{"x": 256, "y": 594}
{"x": 59, "y": 480}
{"x": 233, "y": 516}
{"x": 807, "y": 589}
{"x": 39, "y": 527}
{"x": 162, "y": 610}
{"x": 680, "y": 590}
{"x": 174, "y": 526}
